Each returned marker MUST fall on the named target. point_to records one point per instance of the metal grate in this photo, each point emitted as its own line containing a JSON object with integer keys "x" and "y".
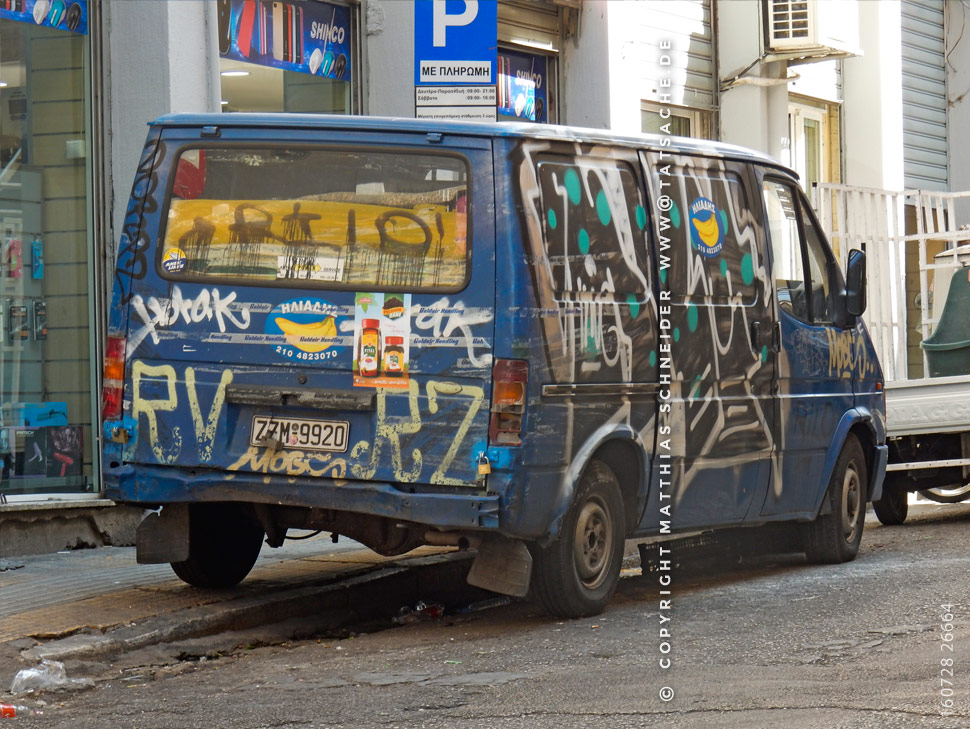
{"x": 789, "y": 19}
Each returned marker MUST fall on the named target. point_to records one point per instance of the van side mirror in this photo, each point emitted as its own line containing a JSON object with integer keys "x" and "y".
{"x": 855, "y": 283}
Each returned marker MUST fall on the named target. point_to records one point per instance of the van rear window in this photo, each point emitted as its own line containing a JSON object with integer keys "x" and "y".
{"x": 329, "y": 218}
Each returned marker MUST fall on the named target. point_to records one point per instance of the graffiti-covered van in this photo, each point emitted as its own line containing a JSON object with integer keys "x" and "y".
{"x": 534, "y": 341}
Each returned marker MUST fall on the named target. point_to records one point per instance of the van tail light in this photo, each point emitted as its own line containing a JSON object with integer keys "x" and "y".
{"x": 113, "y": 385}
{"x": 509, "y": 379}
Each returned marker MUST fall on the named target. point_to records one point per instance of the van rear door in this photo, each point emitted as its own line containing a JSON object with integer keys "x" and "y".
{"x": 317, "y": 302}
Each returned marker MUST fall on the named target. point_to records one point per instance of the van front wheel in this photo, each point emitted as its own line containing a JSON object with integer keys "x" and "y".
{"x": 575, "y": 576}
{"x": 835, "y": 536}
{"x": 224, "y": 542}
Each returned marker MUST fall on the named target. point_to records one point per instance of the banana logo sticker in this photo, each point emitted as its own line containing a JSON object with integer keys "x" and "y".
{"x": 306, "y": 330}
{"x": 708, "y": 225}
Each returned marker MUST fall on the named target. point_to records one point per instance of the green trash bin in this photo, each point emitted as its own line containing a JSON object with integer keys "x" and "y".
{"x": 948, "y": 348}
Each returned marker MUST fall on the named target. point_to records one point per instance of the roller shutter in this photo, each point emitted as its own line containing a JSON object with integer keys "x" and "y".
{"x": 924, "y": 95}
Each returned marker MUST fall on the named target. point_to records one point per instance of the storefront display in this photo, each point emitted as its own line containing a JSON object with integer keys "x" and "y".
{"x": 523, "y": 86}
{"x": 286, "y": 56}
{"x": 45, "y": 342}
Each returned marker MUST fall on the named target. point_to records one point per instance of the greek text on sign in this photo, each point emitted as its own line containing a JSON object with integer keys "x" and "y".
{"x": 456, "y": 71}
{"x": 454, "y": 96}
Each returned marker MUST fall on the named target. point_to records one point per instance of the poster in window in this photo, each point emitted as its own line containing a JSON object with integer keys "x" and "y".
{"x": 522, "y": 86}
{"x": 311, "y": 38}
{"x": 69, "y": 15}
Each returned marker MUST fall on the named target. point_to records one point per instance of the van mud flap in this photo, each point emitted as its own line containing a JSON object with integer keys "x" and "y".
{"x": 502, "y": 565}
{"x": 163, "y": 536}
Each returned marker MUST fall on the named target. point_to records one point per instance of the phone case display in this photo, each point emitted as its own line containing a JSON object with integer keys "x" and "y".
{"x": 69, "y": 15}
{"x": 305, "y": 37}
{"x": 522, "y": 92}
{"x": 40, "y": 321}
{"x": 17, "y": 323}
{"x": 13, "y": 257}
{"x": 37, "y": 258}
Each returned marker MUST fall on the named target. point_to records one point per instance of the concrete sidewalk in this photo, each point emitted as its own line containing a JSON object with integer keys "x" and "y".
{"x": 98, "y": 602}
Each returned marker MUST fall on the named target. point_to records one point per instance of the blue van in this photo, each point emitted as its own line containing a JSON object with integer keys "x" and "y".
{"x": 535, "y": 341}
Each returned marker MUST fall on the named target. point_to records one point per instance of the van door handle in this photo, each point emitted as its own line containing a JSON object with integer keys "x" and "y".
{"x": 759, "y": 335}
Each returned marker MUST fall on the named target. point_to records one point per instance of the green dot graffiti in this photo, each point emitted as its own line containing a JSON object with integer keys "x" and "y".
{"x": 571, "y": 180}
{"x": 641, "y": 217}
{"x": 603, "y": 208}
{"x": 692, "y": 317}
{"x": 747, "y": 269}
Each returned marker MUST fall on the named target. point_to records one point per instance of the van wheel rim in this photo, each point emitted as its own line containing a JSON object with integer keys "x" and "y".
{"x": 593, "y": 543}
{"x": 851, "y": 502}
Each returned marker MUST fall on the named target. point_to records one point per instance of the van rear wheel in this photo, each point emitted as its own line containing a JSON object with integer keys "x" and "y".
{"x": 835, "y": 536}
{"x": 575, "y": 576}
{"x": 224, "y": 542}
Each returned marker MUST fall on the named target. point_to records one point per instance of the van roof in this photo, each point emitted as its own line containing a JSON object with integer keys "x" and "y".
{"x": 483, "y": 129}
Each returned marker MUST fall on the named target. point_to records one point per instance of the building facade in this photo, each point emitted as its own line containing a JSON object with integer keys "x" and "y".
{"x": 842, "y": 90}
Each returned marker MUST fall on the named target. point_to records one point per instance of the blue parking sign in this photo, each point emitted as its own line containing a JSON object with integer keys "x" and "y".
{"x": 455, "y": 41}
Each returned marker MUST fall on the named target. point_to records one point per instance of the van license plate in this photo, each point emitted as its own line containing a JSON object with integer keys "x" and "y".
{"x": 313, "y": 435}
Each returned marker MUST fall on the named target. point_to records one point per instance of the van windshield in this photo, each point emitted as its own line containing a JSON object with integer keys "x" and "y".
{"x": 332, "y": 218}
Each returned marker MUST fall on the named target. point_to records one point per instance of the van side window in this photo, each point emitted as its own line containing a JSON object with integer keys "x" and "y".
{"x": 708, "y": 231}
{"x": 331, "y": 218}
{"x": 795, "y": 242}
{"x": 593, "y": 227}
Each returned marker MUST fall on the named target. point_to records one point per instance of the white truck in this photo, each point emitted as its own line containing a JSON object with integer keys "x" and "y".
{"x": 918, "y": 255}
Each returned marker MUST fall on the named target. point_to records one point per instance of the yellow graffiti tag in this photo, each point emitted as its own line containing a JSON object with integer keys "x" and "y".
{"x": 292, "y": 463}
{"x": 205, "y": 430}
{"x": 149, "y": 407}
{"x": 390, "y": 431}
{"x": 205, "y": 433}
{"x": 477, "y": 395}
{"x": 847, "y": 354}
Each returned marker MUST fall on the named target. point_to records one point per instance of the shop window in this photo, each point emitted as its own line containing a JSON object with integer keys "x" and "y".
{"x": 675, "y": 121}
{"x": 807, "y": 131}
{"x": 45, "y": 345}
{"x": 526, "y": 87}
{"x": 287, "y": 56}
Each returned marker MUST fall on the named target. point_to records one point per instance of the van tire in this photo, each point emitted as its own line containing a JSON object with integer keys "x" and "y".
{"x": 835, "y": 537}
{"x": 224, "y": 542}
{"x": 893, "y": 507}
{"x": 576, "y": 575}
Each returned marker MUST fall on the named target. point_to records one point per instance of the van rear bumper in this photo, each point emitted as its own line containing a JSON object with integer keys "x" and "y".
{"x": 152, "y": 486}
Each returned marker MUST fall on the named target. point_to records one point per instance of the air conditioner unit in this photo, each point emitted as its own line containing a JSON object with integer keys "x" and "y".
{"x": 811, "y": 29}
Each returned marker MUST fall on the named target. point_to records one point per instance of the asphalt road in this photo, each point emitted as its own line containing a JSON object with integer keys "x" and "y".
{"x": 764, "y": 642}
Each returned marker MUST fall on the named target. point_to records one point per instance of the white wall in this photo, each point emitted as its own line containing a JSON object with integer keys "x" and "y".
{"x": 388, "y": 57}
{"x": 873, "y": 109}
{"x": 958, "y": 93}
{"x": 585, "y": 67}
{"x": 162, "y": 57}
{"x": 752, "y": 115}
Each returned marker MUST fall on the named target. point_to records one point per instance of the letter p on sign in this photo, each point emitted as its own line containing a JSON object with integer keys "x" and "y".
{"x": 441, "y": 19}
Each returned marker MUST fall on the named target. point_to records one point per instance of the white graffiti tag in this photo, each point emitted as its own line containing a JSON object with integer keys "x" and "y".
{"x": 159, "y": 314}
{"x": 443, "y": 318}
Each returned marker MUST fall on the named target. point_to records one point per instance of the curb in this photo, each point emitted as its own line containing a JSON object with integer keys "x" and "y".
{"x": 368, "y": 596}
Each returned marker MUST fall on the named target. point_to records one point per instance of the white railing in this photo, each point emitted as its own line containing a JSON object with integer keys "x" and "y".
{"x": 876, "y": 221}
